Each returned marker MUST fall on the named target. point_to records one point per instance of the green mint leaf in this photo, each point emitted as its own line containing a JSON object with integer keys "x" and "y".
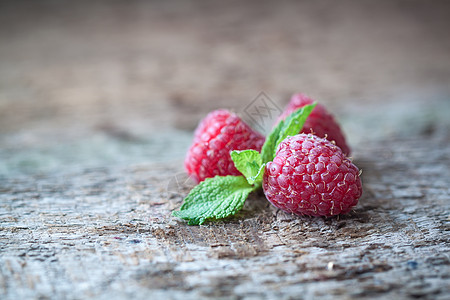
{"x": 294, "y": 122}
{"x": 292, "y": 125}
{"x": 248, "y": 162}
{"x": 258, "y": 178}
{"x": 214, "y": 198}
{"x": 268, "y": 149}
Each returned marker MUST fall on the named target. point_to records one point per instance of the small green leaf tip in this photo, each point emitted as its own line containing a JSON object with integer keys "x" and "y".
{"x": 294, "y": 122}
{"x": 291, "y": 126}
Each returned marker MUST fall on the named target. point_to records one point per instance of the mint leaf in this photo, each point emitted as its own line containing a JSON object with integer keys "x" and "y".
{"x": 258, "y": 178}
{"x": 288, "y": 127}
{"x": 217, "y": 197}
{"x": 268, "y": 149}
{"x": 248, "y": 162}
{"x": 294, "y": 122}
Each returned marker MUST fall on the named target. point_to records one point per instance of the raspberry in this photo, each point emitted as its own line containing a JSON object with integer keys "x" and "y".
{"x": 309, "y": 175}
{"x": 319, "y": 122}
{"x": 216, "y": 136}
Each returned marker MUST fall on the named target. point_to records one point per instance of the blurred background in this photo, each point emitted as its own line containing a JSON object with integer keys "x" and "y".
{"x": 100, "y": 83}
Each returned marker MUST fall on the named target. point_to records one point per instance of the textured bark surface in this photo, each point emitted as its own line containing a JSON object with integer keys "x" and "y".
{"x": 97, "y": 106}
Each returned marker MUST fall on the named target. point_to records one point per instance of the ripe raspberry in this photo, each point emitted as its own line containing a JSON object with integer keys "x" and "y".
{"x": 320, "y": 122}
{"x": 216, "y": 136}
{"x": 311, "y": 176}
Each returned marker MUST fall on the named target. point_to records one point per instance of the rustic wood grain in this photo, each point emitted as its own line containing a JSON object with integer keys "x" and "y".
{"x": 97, "y": 105}
{"x": 108, "y": 232}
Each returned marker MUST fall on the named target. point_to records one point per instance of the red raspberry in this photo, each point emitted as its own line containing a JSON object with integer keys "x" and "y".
{"x": 320, "y": 122}
{"x": 309, "y": 175}
{"x": 216, "y": 136}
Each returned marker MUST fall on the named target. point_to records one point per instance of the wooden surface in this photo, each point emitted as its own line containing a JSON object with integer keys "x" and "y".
{"x": 97, "y": 106}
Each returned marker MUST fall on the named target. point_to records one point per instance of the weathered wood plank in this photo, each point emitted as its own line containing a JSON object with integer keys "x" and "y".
{"x": 108, "y": 232}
